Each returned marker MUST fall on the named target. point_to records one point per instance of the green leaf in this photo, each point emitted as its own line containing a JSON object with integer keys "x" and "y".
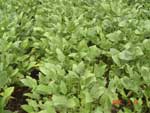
{"x": 87, "y": 97}
{"x": 99, "y": 69}
{"x": 80, "y": 68}
{"x": 97, "y": 91}
{"x": 126, "y": 55}
{"x": 122, "y": 23}
{"x": 63, "y": 87}
{"x": 1, "y": 104}
{"x": 49, "y": 70}
{"x": 7, "y": 92}
{"x": 73, "y": 102}
{"x": 29, "y": 82}
{"x": 129, "y": 84}
{"x": 115, "y": 55}
{"x": 146, "y": 44}
{"x": 93, "y": 52}
{"x": 43, "y": 89}
{"x": 27, "y": 108}
{"x": 3, "y": 79}
{"x": 60, "y": 55}
{"x": 98, "y": 110}
{"x": 48, "y": 107}
{"x": 105, "y": 102}
{"x": 115, "y": 36}
{"x": 145, "y": 72}
{"x": 59, "y": 100}
{"x": 43, "y": 111}
{"x": 138, "y": 51}
{"x": 87, "y": 79}
{"x": 5, "y": 97}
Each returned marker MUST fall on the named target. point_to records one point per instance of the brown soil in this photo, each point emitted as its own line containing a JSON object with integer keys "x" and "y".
{"x": 17, "y": 99}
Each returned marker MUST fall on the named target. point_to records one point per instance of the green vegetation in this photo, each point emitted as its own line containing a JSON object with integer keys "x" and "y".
{"x": 74, "y": 56}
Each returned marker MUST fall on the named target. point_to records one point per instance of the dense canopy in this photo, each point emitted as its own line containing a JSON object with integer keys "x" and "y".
{"x": 74, "y": 56}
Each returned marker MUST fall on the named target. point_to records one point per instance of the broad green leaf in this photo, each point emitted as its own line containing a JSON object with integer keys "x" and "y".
{"x": 43, "y": 89}
{"x": 87, "y": 79}
{"x": 129, "y": 84}
{"x": 146, "y": 44}
{"x": 138, "y": 51}
{"x": 87, "y": 98}
{"x": 29, "y": 82}
{"x": 1, "y": 104}
{"x": 73, "y": 102}
{"x": 98, "y": 110}
{"x": 7, "y": 92}
{"x": 5, "y": 97}
{"x": 93, "y": 52}
{"x": 43, "y": 111}
{"x": 126, "y": 55}
{"x": 97, "y": 91}
{"x": 122, "y": 23}
{"x": 48, "y": 107}
{"x": 100, "y": 69}
{"x": 60, "y": 55}
{"x": 59, "y": 100}
{"x": 63, "y": 87}
{"x": 3, "y": 79}
{"x": 27, "y": 108}
{"x": 115, "y": 36}
{"x": 49, "y": 70}
{"x": 115, "y": 55}
{"x": 80, "y": 68}
{"x": 105, "y": 102}
{"x": 145, "y": 72}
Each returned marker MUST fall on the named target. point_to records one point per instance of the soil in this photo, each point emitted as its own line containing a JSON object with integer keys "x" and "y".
{"x": 114, "y": 109}
{"x": 17, "y": 99}
{"x": 35, "y": 73}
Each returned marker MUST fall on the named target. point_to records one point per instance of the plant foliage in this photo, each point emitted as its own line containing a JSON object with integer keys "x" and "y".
{"x": 87, "y": 53}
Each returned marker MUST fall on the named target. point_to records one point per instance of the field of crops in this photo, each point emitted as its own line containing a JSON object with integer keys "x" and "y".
{"x": 74, "y": 56}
